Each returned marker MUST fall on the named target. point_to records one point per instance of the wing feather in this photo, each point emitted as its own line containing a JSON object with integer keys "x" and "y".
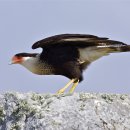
{"x": 71, "y": 39}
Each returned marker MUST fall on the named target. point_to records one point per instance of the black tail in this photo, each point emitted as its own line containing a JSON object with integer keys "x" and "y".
{"x": 116, "y": 48}
{"x": 125, "y": 48}
{"x": 120, "y": 48}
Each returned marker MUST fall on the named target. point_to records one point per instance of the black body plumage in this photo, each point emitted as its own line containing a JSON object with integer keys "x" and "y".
{"x": 64, "y": 59}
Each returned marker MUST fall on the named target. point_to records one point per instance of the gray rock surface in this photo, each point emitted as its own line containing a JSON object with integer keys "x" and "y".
{"x": 80, "y": 111}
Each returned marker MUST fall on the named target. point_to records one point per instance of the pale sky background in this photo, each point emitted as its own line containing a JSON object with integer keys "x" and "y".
{"x": 22, "y": 22}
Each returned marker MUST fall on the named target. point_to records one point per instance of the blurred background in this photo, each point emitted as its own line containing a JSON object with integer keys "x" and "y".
{"x": 24, "y": 22}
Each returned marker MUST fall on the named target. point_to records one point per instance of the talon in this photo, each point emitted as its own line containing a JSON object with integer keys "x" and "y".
{"x": 61, "y": 91}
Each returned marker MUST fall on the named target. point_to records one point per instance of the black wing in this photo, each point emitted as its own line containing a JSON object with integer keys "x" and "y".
{"x": 80, "y": 40}
{"x": 73, "y": 39}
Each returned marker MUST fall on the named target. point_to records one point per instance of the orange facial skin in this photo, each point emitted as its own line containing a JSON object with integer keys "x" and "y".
{"x": 17, "y": 60}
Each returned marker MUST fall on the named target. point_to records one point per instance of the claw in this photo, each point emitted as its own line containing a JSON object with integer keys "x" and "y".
{"x": 61, "y": 91}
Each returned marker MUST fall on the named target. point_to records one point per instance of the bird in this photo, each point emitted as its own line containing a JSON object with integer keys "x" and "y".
{"x": 68, "y": 55}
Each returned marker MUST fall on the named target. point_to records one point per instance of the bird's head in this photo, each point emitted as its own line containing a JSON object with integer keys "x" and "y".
{"x": 22, "y": 57}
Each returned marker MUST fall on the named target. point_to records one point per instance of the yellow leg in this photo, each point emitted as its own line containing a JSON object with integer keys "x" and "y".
{"x": 73, "y": 87}
{"x": 66, "y": 86}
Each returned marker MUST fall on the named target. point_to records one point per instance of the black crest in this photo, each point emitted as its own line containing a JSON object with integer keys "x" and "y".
{"x": 26, "y": 54}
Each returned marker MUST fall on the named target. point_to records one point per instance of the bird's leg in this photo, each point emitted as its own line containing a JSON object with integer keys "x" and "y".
{"x": 66, "y": 86}
{"x": 74, "y": 86}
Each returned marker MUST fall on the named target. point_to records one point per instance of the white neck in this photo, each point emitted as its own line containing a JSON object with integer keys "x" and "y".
{"x": 30, "y": 63}
{"x": 36, "y": 66}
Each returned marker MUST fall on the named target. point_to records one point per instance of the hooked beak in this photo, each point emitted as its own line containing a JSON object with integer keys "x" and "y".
{"x": 16, "y": 60}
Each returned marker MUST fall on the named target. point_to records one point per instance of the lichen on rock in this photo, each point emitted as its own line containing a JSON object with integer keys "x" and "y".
{"x": 78, "y": 111}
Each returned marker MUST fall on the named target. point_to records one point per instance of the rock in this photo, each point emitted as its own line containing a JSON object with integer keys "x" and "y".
{"x": 78, "y": 111}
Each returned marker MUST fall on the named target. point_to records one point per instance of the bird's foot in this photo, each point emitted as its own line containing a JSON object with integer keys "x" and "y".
{"x": 61, "y": 91}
